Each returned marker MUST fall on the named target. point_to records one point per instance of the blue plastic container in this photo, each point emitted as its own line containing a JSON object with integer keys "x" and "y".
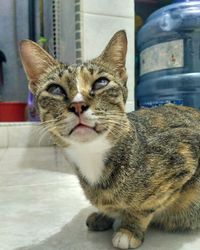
{"x": 169, "y": 47}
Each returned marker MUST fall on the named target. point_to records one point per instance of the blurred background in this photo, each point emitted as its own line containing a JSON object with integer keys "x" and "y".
{"x": 72, "y": 31}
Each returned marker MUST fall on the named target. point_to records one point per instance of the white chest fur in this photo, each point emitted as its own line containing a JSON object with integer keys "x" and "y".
{"x": 89, "y": 157}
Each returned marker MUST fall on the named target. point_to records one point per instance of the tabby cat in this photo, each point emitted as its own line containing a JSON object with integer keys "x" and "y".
{"x": 137, "y": 168}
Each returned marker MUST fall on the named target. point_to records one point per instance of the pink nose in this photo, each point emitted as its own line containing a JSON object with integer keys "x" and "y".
{"x": 78, "y": 107}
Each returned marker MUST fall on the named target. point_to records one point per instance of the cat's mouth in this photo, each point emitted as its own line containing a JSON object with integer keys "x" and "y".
{"x": 82, "y": 129}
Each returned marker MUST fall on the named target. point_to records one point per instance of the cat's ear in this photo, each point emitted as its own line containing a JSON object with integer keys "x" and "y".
{"x": 35, "y": 61}
{"x": 115, "y": 52}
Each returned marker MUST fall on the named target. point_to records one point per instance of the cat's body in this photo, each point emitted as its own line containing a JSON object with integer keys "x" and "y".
{"x": 153, "y": 176}
{"x": 137, "y": 168}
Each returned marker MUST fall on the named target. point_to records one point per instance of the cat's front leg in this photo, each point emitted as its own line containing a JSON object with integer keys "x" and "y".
{"x": 130, "y": 233}
{"x": 99, "y": 222}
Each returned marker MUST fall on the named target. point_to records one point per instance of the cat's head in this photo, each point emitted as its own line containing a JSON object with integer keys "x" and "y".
{"x": 79, "y": 102}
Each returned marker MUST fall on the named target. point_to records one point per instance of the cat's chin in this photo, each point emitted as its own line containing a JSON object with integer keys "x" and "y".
{"x": 83, "y": 134}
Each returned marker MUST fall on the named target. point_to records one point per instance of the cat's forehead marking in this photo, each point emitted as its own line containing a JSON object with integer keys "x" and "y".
{"x": 78, "y": 84}
{"x": 82, "y": 78}
{"x": 78, "y": 98}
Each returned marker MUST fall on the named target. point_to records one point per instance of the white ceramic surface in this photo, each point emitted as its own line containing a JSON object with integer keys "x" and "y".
{"x": 42, "y": 207}
{"x": 112, "y": 8}
{"x": 98, "y": 30}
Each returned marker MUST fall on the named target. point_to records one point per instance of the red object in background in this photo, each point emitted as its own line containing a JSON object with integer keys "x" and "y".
{"x": 12, "y": 111}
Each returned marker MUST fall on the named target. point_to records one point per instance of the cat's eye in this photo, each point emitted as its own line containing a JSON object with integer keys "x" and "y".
{"x": 100, "y": 83}
{"x": 56, "y": 89}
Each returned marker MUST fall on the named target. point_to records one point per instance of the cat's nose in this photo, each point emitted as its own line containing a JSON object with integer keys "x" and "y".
{"x": 78, "y": 107}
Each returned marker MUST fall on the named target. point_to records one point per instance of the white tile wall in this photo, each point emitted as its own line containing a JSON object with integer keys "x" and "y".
{"x": 98, "y": 30}
{"x": 130, "y": 104}
{"x": 100, "y": 20}
{"x": 121, "y": 8}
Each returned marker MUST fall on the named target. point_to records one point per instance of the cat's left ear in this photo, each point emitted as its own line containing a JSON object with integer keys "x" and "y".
{"x": 115, "y": 52}
{"x": 35, "y": 61}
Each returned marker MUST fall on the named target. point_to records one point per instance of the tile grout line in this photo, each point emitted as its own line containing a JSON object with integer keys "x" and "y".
{"x": 7, "y": 137}
{"x": 13, "y": 124}
{"x": 3, "y": 154}
{"x": 33, "y": 185}
{"x": 107, "y": 15}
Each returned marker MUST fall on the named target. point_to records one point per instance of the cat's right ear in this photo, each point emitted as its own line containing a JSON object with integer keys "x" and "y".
{"x": 115, "y": 53}
{"x": 35, "y": 61}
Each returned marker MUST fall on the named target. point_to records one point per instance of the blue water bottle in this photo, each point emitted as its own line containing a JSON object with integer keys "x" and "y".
{"x": 169, "y": 48}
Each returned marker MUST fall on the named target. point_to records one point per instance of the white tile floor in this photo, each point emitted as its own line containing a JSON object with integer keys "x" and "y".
{"x": 42, "y": 207}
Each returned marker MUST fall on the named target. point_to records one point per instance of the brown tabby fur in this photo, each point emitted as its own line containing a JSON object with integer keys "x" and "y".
{"x": 151, "y": 173}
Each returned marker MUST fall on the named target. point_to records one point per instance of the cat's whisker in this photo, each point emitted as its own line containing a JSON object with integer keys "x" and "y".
{"x": 51, "y": 121}
{"x": 45, "y": 133}
{"x": 46, "y": 122}
{"x": 35, "y": 133}
{"x": 38, "y": 133}
{"x": 108, "y": 112}
{"x": 116, "y": 122}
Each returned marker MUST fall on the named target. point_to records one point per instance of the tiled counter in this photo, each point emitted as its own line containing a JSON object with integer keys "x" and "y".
{"x": 42, "y": 206}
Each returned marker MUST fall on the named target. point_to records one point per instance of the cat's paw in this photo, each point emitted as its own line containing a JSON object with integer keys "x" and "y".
{"x": 99, "y": 222}
{"x": 124, "y": 239}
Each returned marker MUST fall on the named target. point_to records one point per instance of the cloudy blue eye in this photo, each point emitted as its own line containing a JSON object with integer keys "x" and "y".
{"x": 100, "y": 83}
{"x": 56, "y": 89}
